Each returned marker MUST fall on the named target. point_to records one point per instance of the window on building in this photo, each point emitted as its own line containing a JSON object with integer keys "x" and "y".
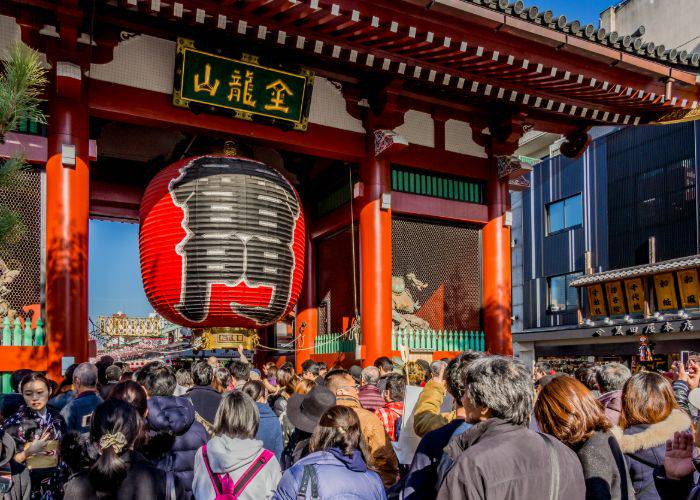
{"x": 564, "y": 214}
{"x": 562, "y": 296}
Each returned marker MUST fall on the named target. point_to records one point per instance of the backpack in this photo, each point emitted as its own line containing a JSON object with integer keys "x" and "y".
{"x": 224, "y": 487}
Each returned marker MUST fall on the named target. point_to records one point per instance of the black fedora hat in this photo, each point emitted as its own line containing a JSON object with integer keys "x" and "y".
{"x": 305, "y": 410}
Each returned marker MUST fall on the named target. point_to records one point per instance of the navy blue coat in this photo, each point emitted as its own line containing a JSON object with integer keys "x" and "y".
{"x": 270, "y": 430}
{"x": 174, "y": 437}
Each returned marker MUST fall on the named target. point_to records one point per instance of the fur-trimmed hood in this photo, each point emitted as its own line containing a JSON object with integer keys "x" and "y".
{"x": 654, "y": 435}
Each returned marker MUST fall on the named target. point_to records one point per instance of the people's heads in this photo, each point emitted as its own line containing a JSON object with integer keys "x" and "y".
{"x": 222, "y": 379}
{"x": 85, "y": 377}
{"x": 286, "y": 378}
{"x": 113, "y": 373}
{"x": 202, "y": 374}
{"x": 16, "y": 378}
{"x": 304, "y": 386}
{"x": 384, "y": 365}
{"x": 133, "y": 393}
{"x": 240, "y": 371}
{"x": 612, "y": 377}
{"x": 496, "y": 386}
{"x": 415, "y": 373}
{"x": 586, "y": 374}
{"x": 541, "y": 369}
{"x": 309, "y": 369}
{"x": 339, "y": 428}
{"x": 213, "y": 361}
{"x": 159, "y": 381}
{"x": 76, "y": 451}
{"x": 647, "y": 398}
{"x": 322, "y": 369}
{"x": 237, "y": 416}
{"x": 270, "y": 370}
{"x": 341, "y": 383}
{"x": 183, "y": 378}
{"x": 454, "y": 374}
{"x": 115, "y": 427}
{"x": 370, "y": 375}
{"x": 567, "y": 410}
{"x": 141, "y": 373}
{"x": 256, "y": 390}
{"x": 425, "y": 366}
{"x": 395, "y": 388}
{"x": 126, "y": 375}
{"x": 35, "y": 390}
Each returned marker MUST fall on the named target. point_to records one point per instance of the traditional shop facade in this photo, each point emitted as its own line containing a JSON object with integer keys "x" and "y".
{"x": 395, "y": 122}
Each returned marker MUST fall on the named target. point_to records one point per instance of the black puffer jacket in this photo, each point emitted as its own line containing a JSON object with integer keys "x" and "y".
{"x": 174, "y": 437}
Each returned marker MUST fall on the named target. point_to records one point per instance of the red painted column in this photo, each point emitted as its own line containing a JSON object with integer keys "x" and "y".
{"x": 375, "y": 256}
{"x": 496, "y": 287}
{"x": 67, "y": 201}
{"x": 307, "y": 315}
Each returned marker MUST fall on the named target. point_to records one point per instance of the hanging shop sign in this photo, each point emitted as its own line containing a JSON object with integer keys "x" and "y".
{"x": 665, "y": 292}
{"x": 596, "y": 303}
{"x": 688, "y": 284}
{"x": 634, "y": 289}
{"x": 242, "y": 86}
{"x": 221, "y": 243}
{"x": 616, "y": 301}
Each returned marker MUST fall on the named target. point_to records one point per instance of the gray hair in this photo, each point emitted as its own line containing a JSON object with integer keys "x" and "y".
{"x": 612, "y": 376}
{"x": 502, "y": 385}
{"x": 222, "y": 376}
{"x": 184, "y": 378}
{"x": 370, "y": 375}
{"x": 237, "y": 416}
{"x": 86, "y": 374}
{"x": 436, "y": 366}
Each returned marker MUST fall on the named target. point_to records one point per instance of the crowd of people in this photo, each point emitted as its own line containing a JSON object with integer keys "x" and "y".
{"x": 475, "y": 426}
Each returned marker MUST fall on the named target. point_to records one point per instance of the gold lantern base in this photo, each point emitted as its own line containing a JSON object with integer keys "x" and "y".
{"x": 224, "y": 338}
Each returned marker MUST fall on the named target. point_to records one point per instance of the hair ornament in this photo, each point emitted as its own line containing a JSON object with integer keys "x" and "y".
{"x": 114, "y": 440}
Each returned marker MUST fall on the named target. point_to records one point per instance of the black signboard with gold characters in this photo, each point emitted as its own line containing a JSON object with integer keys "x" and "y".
{"x": 242, "y": 85}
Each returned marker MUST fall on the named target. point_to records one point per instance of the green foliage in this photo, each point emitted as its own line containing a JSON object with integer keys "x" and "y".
{"x": 21, "y": 84}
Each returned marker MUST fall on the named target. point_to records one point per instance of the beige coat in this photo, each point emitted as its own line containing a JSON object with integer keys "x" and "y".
{"x": 427, "y": 416}
{"x": 385, "y": 462}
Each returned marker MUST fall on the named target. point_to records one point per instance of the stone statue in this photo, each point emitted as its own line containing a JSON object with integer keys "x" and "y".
{"x": 7, "y": 276}
{"x": 404, "y": 306}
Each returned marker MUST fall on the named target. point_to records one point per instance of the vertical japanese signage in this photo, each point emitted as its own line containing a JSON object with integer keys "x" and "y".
{"x": 241, "y": 86}
{"x": 616, "y": 301}
{"x": 688, "y": 283}
{"x": 634, "y": 290}
{"x": 665, "y": 292}
{"x": 596, "y": 302}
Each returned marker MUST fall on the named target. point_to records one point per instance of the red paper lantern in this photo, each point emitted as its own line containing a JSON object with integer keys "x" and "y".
{"x": 222, "y": 243}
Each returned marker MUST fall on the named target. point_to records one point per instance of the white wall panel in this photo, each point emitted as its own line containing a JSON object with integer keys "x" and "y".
{"x": 458, "y": 139}
{"x": 418, "y": 128}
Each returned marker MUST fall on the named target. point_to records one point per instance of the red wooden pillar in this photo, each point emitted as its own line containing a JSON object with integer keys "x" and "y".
{"x": 67, "y": 199}
{"x": 307, "y": 315}
{"x": 375, "y": 243}
{"x": 496, "y": 287}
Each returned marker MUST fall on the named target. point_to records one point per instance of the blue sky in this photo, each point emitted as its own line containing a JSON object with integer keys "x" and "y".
{"x": 586, "y": 11}
{"x": 115, "y": 277}
{"x": 114, "y": 272}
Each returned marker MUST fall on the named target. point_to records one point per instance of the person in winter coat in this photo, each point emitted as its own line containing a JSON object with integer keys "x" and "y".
{"x": 341, "y": 383}
{"x": 676, "y": 478}
{"x": 611, "y": 378}
{"x": 204, "y": 397}
{"x": 422, "y": 478}
{"x": 338, "y": 464}
{"x": 269, "y": 429}
{"x": 78, "y": 412}
{"x": 173, "y": 435}
{"x": 499, "y": 457}
{"x": 650, "y": 416}
{"x": 120, "y": 471}
{"x": 567, "y": 410}
{"x": 234, "y": 452}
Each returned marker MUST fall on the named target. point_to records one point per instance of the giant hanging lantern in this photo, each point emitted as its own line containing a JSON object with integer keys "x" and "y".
{"x": 221, "y": 243}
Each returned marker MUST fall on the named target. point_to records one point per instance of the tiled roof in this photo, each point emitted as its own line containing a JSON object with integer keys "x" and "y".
{"x": 632, "y": 43}
{"x": 637, "y": 271}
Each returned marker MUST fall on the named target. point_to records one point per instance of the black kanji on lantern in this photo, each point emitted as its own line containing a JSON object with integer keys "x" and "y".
{"x": 240, "y": 218}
